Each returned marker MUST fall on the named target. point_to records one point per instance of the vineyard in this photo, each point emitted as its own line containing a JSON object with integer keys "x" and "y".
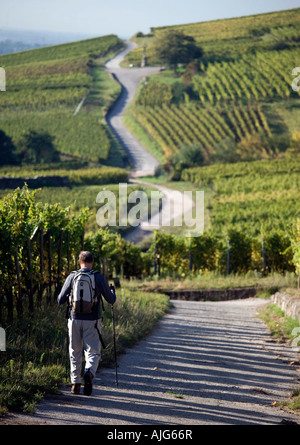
{"x": 236, "y": 111}
{"x": 260, "y": 77}
{"x": 255, "y": 198}
{"x": 40, "y": 245}
{"x": 78, "y": 176}
{"x": 229, "y": 39}
{"x": 236, "y": 103}
{"x": 40, "y": 242}
{"x": 45, "y": 86}
{"x": 174, "y": 126}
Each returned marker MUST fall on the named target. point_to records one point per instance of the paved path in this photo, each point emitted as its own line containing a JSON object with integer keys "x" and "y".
{"x": 143, "y": 162}
{"x": 207, "y": 363}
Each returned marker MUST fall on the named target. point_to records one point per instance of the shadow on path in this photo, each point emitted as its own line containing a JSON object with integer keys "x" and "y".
{"x": 206, "y": 363}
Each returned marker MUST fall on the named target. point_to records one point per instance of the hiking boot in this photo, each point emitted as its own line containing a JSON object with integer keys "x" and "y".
{"x": 75, "y": 388}
{"x": 88, "y": 377}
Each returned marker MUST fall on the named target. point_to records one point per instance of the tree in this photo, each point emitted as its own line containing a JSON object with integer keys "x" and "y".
{"x": 187, "y": 156}
{"x": 37, "y": 148}
{"x": 174, "y": 47}
{"x": 7, "y": 150}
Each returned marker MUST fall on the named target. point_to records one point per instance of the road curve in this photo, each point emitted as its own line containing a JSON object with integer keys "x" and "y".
{"x": 143, "y": 163}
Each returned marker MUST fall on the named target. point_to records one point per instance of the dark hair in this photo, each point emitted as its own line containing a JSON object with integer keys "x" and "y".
{"x": 86, "y": 257}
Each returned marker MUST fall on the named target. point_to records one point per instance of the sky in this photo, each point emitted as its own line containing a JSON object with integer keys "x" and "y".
{"x": 124, "y": 17}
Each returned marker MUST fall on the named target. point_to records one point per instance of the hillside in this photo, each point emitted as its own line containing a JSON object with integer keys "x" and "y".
{"x": 234, "y": 104}
{"x": 44, "y": 88}
{"x": 229, "y": 38}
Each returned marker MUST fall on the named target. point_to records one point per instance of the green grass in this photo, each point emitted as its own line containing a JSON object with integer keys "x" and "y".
{"x": 36, "y": 361}
{"x": 281, "y": 327}
{"x": 214, "y": 280}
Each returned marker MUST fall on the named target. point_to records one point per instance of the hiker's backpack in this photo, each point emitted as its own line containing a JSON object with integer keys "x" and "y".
{"x": 83, "y": 292}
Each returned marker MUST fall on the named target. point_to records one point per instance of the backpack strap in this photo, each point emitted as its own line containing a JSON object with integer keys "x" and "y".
{"x": 68, "y": 310}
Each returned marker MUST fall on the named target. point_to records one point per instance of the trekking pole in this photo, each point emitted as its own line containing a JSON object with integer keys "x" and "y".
{"x": 114, "y": 331}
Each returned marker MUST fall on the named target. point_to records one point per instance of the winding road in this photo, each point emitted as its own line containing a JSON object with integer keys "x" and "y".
{"x": 143, "y": 163}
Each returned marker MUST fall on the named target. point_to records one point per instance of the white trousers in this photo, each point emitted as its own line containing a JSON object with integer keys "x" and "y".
{"x": 83, "y": 334}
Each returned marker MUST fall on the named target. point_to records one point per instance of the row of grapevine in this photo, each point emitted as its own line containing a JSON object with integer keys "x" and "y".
{"x": 80, "y": 135}
{"x": 233, "y": 252}
{"x": 43, "y": 89}
{"x": 256, "y": 77}
{"x": 190, "y": 124}
{"x": 250, "y": 195}
{"x": 39, "y": 247}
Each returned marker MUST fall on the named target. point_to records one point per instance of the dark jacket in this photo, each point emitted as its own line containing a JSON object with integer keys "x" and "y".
{"x": 102, "y": 288}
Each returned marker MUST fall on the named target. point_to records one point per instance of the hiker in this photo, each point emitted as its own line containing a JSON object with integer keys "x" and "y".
{"x": 83, "y": 290}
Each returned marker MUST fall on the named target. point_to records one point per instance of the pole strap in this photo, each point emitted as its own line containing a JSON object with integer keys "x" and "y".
{"x": 100, "y": 336}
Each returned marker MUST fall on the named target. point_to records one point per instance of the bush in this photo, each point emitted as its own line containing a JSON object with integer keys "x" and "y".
{"x": 278, "y": 252}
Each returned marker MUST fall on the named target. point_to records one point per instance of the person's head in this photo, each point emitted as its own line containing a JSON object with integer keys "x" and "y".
{"x": 86, "y": 259}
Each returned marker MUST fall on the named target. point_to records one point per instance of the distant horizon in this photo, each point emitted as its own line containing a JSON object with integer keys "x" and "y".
{"x": 29, "y": 35}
